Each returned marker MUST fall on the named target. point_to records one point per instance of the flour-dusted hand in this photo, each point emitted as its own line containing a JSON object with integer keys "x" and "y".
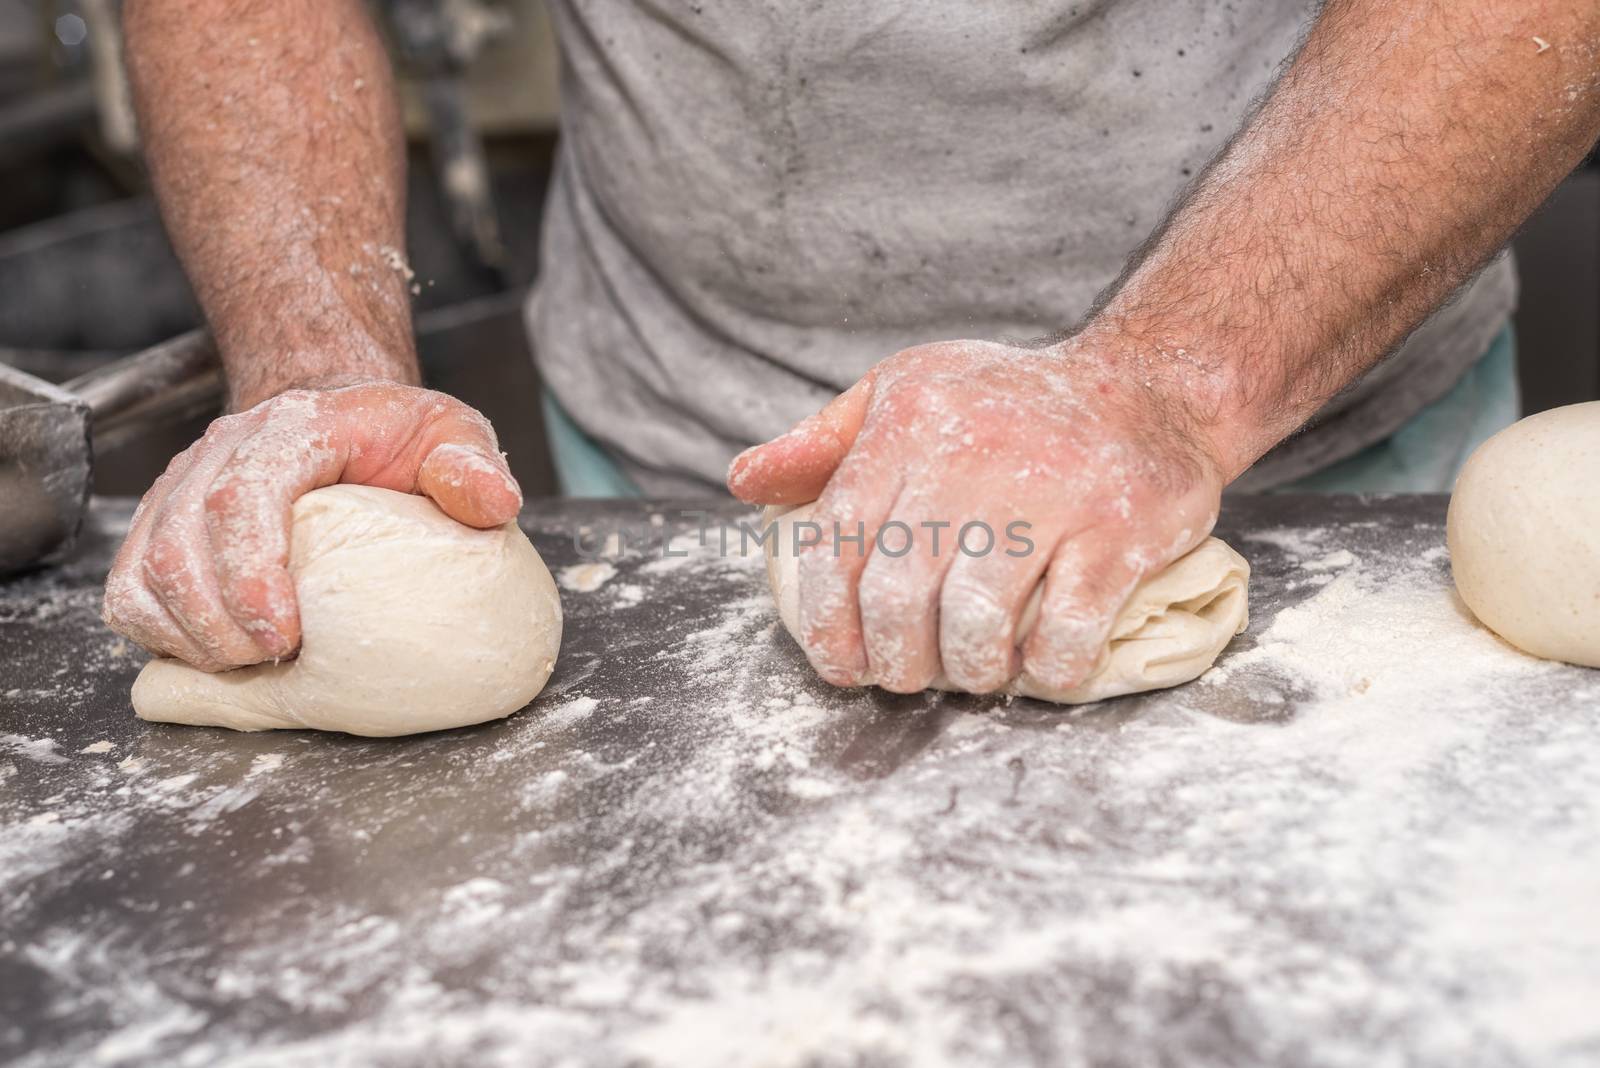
{"x": 203, "y": 575}
{"x": 277, "y": 153}
{"x": 1065, "y": 462}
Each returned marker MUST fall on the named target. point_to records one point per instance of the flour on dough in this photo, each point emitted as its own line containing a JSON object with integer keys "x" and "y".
{"x": 1170, "y": 631}
{"x": 409, "y": 622}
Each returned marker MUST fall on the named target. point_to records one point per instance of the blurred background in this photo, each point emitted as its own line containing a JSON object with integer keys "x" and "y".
{"x": 86, "y": 273}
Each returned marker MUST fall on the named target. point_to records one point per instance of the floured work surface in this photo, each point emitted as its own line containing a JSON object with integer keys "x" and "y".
{"x": 1370, "y": 836}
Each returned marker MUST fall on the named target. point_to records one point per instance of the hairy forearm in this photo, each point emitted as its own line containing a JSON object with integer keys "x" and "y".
{"x": 1398, "y": 152}
{"x": 277, "y": 156}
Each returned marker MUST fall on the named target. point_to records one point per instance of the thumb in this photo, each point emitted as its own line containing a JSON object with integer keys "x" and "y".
{"x": 465, "y": 475}
{"x": 794, "y": 468}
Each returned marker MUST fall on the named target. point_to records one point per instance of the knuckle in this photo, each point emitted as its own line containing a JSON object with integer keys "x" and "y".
{"x": 436, "y": 406}
{"x": 1055, "y": 670}
{"x": 978, "y": 616}
{"x": 895, "y": 589}
{"x": 133, "y": 618}
{"x": 1081, "y": 583}
{"x": 820, "y": 569}
{"x": 166, "y": 564}
{"x": 289, "y": 399}
{"x": 977, "y": 669}
{"x": 175, "y": 469}
{"x": 902, "y": 654}
{"x": 221, "y": 497}
{"x": 215, "y": 429}
{"x": 827, "y": 652}
{"x": 1073, "y": 627}
{"x": 972, "y": 608}
{"x": 291, "y": 408}
{"x": 1081, "y": 601}
{"x": 1065, "y": 647}
{"x": 830, "y": 637}
{"x": 120, "y": 610}
{"x": 460, "y": 408}
{"x": 222, "y": 428}
{"x": 904, "y": 679}
{"x": 121, "y": 606}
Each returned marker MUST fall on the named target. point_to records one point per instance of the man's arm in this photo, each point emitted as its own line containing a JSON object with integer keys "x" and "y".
{"x": 275, "y": 146}
{"x": 1398, "y": 152}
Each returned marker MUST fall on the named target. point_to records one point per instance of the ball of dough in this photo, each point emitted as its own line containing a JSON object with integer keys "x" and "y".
{"x": 1171, "y": 630}
{"x": 1524, "y": 534}
{"x": 409, "y": 622}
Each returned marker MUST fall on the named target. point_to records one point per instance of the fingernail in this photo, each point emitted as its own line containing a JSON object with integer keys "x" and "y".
{"x": 268, "y": 637}
{"x": 465, "y": 458}
{"x": 743, "y": 468}
{"x": 739, "y": 461}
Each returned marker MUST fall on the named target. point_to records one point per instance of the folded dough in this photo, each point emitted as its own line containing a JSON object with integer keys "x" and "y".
{"x": 1170, "y": 631}
{"x": 409, "y": 622}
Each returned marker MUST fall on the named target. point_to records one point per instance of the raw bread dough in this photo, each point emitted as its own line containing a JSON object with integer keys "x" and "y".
{"x": 1524, "y": 534}
{"x": 409, "y": 622}
{"x": 1169, "y": 632}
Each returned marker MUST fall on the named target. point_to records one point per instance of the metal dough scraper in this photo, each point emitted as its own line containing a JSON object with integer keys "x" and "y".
{"x": 49, "y": 435}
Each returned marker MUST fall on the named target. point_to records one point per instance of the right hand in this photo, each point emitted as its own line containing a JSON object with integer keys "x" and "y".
{"x": 203, "y": 574}
{"x": 1104, "y": 461}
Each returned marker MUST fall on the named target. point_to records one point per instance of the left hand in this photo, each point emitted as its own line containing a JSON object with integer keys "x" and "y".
{"x": 1106, "y": 457}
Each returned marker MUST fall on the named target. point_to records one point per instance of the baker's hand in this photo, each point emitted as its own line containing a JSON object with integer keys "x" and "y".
{"x": 203, "y": 575}
{"x": 1107, "y": 460}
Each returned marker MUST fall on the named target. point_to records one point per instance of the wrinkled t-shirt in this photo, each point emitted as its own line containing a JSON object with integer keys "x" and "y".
{"x": 755, "y": 202}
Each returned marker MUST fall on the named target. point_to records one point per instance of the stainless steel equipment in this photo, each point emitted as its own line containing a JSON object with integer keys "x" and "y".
{"x": 49, "y": 435}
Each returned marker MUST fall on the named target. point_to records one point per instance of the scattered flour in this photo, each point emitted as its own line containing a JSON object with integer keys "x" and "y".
{"x": 264, "y": 763}
{"x": 1369, "y": 837}
{"x": 1298, "y": 542}
{"x": 38, "y": 750}
{"x": 630, "y": 595}
{"x": 586, "y": 578}
{"x": 1333, "y": 561}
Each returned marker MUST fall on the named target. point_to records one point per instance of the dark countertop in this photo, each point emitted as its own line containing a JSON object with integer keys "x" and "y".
{"x": 1370, "y": 837}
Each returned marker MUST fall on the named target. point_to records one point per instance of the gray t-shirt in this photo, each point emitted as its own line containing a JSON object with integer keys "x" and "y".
{"x": 756, "y": 201}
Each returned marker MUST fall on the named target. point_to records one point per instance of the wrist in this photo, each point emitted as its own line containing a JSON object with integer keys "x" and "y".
{"x": 1191, "y": 384}
{"x": 328, "y": 328}
{"x": 248, "y": 389}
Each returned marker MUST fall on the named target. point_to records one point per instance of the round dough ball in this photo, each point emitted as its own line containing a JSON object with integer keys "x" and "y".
{"x": 1524, "y": 534}
{"x": 1171, "y": 630}
{"x": 410, "y": 621}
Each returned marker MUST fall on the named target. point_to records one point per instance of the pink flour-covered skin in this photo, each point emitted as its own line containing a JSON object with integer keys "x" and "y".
{"x": 1108, "y": 472}
{"x": 1353, "y": 201}
{"x": 277, "y": 153}
{"x": 203, "y": 573}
